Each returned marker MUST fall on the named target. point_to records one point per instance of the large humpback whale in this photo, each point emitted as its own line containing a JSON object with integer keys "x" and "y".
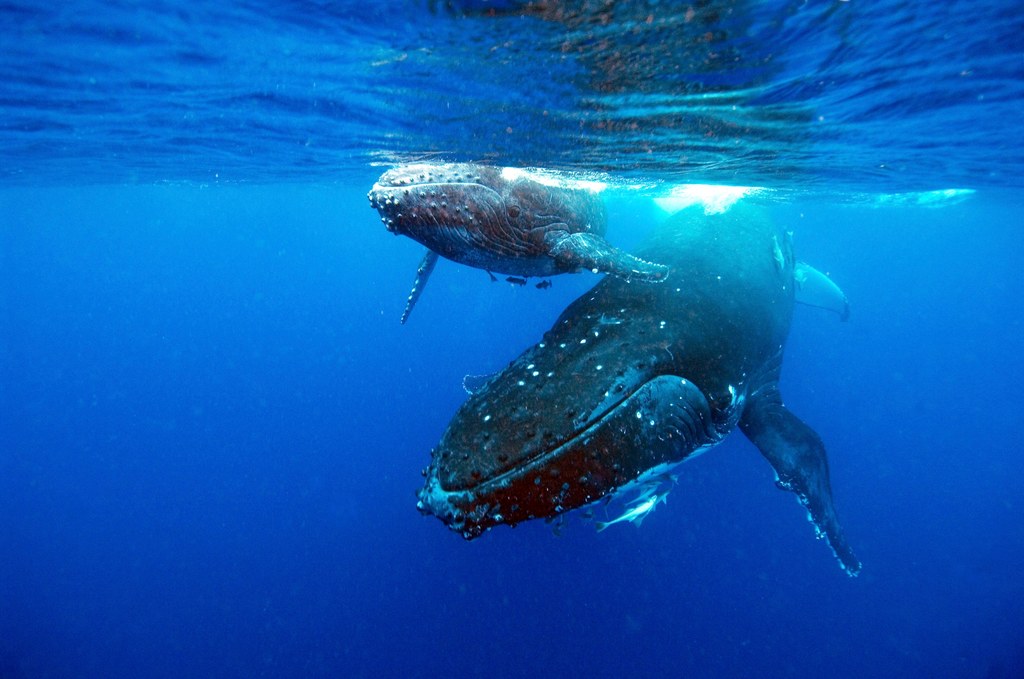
{"x": 635, "y": 378}
{"x": 500, "y": 219}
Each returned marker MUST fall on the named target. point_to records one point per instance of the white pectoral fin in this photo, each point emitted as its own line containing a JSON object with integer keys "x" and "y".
{"x": 813, "y": 288}
{"x": 579, "y": 251}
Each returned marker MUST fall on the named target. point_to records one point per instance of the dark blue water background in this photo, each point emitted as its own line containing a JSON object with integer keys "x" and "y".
{"x": 212, "y": 425}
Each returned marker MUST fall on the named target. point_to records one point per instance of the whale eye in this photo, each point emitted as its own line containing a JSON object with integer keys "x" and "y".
{"x": 513, "y": 211}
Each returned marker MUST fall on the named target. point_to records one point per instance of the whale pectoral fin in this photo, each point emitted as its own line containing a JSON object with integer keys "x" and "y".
{"x": 577, "y": 251}
{"x": 797, "y": 454}
{"x": 422, "y": 274}
{"x": 814, "y": 288}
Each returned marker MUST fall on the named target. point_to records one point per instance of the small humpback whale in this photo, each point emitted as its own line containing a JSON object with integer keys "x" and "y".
{"x": 500, "y": 219}
{"x": 633, "y": 379}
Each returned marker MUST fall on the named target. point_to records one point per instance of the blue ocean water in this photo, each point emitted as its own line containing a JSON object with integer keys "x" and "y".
{"x": 212, "y": 425}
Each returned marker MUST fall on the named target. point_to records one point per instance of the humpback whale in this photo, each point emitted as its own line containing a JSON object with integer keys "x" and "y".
{"x": 500, "y": 219}
{"x": 633, "y": 379}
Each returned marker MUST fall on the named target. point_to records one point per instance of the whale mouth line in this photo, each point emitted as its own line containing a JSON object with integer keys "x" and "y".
{"x": 541, "y": 458}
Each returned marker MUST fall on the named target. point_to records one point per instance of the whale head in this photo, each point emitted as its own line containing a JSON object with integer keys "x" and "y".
{"x": 599, "y": 403}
